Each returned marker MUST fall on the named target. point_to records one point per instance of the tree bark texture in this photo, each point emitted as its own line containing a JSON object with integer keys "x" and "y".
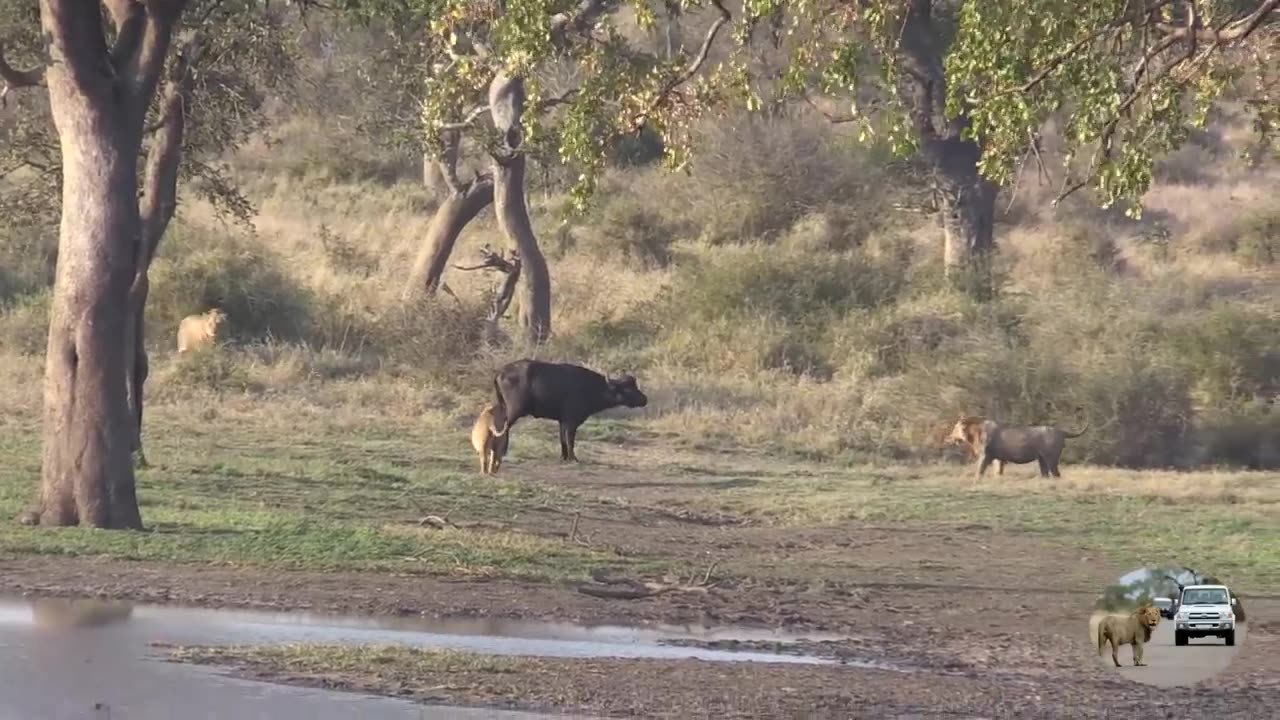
{"x": 506, "y": 102}
{"x": 98, "y": 97}
{"x": 966, "y": 199}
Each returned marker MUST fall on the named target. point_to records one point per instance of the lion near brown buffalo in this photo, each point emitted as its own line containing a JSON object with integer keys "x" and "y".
{"x": 994, "y": 442}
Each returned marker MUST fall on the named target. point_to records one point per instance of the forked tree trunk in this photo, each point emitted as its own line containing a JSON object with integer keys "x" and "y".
{"x": 455, "y": 212}
{"x": 506, "y": 102}
{"x": 98, "y": 98}
{"x": 459, "y": 205}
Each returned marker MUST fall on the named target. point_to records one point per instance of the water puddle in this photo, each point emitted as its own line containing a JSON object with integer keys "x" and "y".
{"x": 62, "y": 657}
{"x": 90, "y": 660}
{"x": 148, "y": 624}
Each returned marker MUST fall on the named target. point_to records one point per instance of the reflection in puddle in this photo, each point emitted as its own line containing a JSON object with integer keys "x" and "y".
{"x": 68, "y": 613}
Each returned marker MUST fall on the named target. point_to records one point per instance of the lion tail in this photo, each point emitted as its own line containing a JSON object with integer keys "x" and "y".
{"x": 1077, "y": 433}
{"x": 1102, "y": 634}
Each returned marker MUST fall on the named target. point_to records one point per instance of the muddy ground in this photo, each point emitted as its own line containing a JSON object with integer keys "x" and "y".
{"x": 979, "y": 622}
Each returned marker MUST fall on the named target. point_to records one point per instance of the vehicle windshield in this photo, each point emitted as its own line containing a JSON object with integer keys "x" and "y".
{"x": 1211, "y": 596}
{"x": 1164, "y": 602}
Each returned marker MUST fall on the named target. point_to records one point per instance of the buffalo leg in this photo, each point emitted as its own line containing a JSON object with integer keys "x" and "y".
{"x": 571, "y": 434}
{"x": 564, "y": 443}
{"x": 999, "y": 467}
{"x": 982, "y": 467}
{"x": 1044, "y": 466}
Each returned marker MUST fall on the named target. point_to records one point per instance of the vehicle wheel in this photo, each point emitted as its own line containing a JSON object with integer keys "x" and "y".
{"x": 1230, "y": 638}
{"x": 1179, "y": 638}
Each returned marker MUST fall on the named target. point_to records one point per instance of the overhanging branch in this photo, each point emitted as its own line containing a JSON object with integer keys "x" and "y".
{"x": 467, "y": 121}
{"x": 692, "y": 68}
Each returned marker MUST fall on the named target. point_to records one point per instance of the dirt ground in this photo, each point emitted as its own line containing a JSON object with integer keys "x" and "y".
{"x": 982, "y": 622}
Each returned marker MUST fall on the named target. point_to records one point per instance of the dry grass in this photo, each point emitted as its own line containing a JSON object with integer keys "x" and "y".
{"x": 810, "y": 319}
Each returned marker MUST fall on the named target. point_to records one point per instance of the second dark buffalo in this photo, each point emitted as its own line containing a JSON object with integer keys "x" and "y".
{"x": 561, "y": 391}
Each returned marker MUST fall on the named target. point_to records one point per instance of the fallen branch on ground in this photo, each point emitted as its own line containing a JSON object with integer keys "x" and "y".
{"x": 608, "y": 587}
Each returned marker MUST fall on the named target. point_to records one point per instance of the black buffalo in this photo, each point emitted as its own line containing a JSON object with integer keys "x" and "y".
{"x": 563, "y": 392}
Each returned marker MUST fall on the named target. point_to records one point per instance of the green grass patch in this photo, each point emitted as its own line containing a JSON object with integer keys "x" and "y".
{"x": 226, "y": 494}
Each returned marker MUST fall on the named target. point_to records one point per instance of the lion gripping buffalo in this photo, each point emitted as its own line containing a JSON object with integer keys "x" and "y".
{"x": 993, "y": 442}
{"x": 1134, "y": 629}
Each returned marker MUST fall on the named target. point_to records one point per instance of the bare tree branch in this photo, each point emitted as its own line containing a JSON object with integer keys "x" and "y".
{"x": 489, "y": 260}
{"x": 467, "y": 121}
{"x": 1230, "y": 31}
{"x": 563, "y": 98}
{"x": 603, "y": 585}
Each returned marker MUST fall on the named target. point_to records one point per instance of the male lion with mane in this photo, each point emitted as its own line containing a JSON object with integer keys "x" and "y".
{"x": 197, "y": 331}
{"x": 1134, "y": 629}
{"x": 1000, "y": 444}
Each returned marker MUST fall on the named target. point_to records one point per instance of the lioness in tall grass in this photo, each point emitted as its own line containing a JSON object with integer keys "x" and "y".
{"x": 1000, "y": 444}
{"x": 491, "y": 446}
{"x": 1134, "y": 629}
{"x": 197, "y": 331}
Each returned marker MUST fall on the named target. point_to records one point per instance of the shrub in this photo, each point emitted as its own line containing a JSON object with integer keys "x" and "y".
{"x": 1258, "y": 242}
{"x": 753, "y": 178}
{"x": 625, "y": 228}
{"x": 210, "y": 367}
{"x": 792, "y": 287}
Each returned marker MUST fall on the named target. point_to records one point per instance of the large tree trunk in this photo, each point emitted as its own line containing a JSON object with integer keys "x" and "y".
{"x": 967, "y": 204}
{"x": 89, "y": 435}
{"x": 966, "y": 199}
{"x": 98, "y": 98}
{"x": 506, "y": 101}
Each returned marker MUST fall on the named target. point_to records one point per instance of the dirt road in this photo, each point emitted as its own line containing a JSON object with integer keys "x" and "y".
{"x": 1172, "y": 666}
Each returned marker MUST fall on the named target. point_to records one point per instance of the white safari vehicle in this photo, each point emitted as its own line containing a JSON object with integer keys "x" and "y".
{"x": 1203, "y": 611}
